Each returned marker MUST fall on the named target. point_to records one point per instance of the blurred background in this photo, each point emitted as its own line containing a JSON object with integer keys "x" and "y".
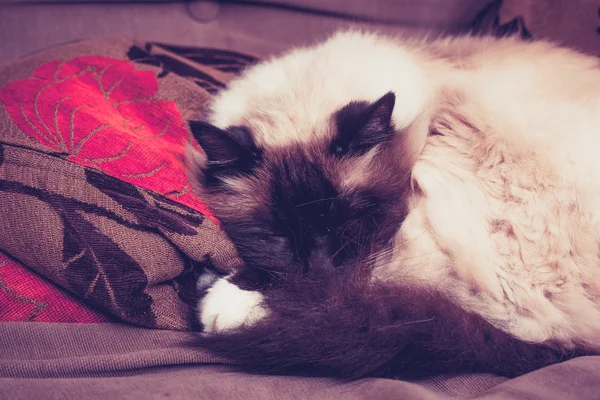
{"x": 263, "y": 26}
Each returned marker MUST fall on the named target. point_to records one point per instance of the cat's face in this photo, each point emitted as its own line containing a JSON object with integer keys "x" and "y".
{"x": 316, "y": 210}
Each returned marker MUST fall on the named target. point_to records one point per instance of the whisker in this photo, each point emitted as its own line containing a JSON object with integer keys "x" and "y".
{"x": 351, "y": 240}
{"x": 339, "y": 251}
{"x": 296, "y": 243}
{"x": 317, "y": 201}
{"x": 375, "y": 221}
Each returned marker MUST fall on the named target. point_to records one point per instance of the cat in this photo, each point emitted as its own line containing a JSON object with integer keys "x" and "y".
{"x": 405, "y": 207}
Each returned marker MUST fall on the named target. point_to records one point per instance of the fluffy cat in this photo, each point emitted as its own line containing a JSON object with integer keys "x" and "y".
{"x": 406, "y": 207}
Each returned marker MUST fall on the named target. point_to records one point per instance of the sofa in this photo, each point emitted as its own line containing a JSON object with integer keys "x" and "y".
{"x": 256, "y": 27}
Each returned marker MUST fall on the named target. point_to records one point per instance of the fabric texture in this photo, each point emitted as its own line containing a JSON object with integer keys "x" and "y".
{"x": 432, "y": 13}
{"x": 93, "y": 192}
{"x": 25, "y": 296}
{"x": 114, "y": 361}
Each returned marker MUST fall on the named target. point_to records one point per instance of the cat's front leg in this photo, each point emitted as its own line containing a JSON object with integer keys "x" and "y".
{"x": 225, "y": 306}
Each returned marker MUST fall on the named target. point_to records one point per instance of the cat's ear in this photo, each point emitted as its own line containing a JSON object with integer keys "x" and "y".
{"x": 362, "y": 125}
{"x": 229, "y": 151}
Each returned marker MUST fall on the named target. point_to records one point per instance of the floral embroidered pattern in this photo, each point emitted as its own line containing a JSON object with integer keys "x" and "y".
{"x": 102, "y": 113}
{"x": 24, "y": 296}
{"x": 93, "y": 161}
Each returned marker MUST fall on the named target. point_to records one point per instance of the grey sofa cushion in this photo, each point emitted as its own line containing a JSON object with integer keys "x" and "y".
{"x": 432, "y": 13}
{"x": 574, "y": 23}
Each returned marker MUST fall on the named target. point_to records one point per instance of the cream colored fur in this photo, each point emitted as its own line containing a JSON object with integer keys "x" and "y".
{"x": 505, "y": 207}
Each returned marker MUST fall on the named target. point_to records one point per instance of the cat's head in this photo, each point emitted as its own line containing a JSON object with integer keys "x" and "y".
{"x": 318, "y": 205}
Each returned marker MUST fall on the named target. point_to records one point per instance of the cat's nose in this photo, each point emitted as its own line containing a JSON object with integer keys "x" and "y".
{"x": 320, "y": 259}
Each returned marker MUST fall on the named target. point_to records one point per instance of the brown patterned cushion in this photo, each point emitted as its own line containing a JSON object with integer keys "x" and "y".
{"x": 93, "y": 193}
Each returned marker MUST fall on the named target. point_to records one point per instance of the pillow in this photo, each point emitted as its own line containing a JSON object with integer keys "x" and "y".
{"x": 93, "y": 194}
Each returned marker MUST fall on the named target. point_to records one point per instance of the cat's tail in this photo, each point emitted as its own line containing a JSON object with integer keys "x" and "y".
{"x": 377, "y": 331}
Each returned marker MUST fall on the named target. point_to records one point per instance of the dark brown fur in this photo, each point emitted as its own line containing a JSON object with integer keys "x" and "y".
{"x": 340, "y": 326}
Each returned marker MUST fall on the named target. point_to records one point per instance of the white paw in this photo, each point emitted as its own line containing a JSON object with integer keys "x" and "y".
{"x": 226, "y": 307}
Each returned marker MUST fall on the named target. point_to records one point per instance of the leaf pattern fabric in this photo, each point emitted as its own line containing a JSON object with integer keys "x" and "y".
{"x": 101, "y": 112}
{"x": 25, "y": 296}
{"x": 97, "y": 216}
{"x": 208, "y": 68}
